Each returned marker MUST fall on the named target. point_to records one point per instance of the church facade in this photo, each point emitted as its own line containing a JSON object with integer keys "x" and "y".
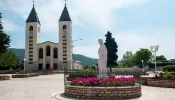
{"x": 49, "y": 55}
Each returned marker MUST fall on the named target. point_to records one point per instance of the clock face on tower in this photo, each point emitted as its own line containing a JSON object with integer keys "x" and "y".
{"x": 30, "y": 34}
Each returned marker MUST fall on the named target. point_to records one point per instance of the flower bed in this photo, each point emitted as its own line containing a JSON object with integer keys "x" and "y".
{"x": 25, "y": 75}
{"x": 167, "y": 83}
{"x": 109, "y": 88}
{"x": 110, "y": 93}
{"x": 110, "y": 82}
{"x": 4, "y": 77}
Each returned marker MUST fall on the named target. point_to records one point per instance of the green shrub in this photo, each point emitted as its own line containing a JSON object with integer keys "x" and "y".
{"x": 122, "y": 66}
{"x": 161, "y": 75}
{"x": 28, "y": 71}
{"x": 169, "y": 68}
{"x": 75, "y": 75}
{"x": 170, "y": 74}
{"x": 160, "y": 64}
{"x": 88, "y": 71}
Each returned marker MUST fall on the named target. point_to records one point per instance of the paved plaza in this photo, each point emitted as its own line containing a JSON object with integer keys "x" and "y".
{"x": 51, "y": 87}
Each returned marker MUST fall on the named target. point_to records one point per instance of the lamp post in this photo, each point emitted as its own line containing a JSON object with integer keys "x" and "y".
{"x": 73, "y": 62}
{"x": 24, "y": 64}
{"x": 155, "y": 49}
{"x": 77, "y": 40}
{"x": 142, "y": 63}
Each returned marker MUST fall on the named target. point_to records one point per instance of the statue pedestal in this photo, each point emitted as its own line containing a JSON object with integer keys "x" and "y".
{"x": 102, "y": 76}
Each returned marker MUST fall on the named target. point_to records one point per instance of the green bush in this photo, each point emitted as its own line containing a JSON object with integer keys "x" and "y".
{"x": 89, "y": 70}
{"x": 122, "y": 66}
{"x": 170, "y": 74}
{"x": 28, "y": 71}
{"x": 75, "y": 75}
{"x": 161, "y": 75}
{"x": 86, "y": 72}
{"x": 161, "y": 64}
{"x": 169, "y": 68}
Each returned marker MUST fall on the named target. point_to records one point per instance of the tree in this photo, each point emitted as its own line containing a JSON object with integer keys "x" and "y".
{"x": 9, "y": 59}
{"x": 142, "y": 54}
{"x": 4, "y": 39}
{"x": 112, "y": 48}
{"x": 128, "y": 59}
{"x": 161, "y": 57}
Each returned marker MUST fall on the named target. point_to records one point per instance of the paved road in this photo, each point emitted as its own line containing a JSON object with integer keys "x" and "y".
{"x": 50, "y": 87}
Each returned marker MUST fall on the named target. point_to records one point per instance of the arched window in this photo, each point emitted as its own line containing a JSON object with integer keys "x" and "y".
{"x": 55, "y": 52}
{"x": 48, "y": 51}
{"x": 31, "y": 28}
{"x": 64, "y": 27}
{"x": 64, "y": 30}
{"x": 41, "y": 53}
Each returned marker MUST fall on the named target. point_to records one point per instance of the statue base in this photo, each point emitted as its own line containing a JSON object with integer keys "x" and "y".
{"x": 102, "y": 76}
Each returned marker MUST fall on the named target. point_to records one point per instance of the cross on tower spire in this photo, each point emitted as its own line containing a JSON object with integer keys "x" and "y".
{"x": 65, "y": 2}
{"x": 33, "y": 3}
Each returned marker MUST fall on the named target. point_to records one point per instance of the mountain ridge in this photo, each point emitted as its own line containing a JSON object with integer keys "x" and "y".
{"x": 20, "y": 53}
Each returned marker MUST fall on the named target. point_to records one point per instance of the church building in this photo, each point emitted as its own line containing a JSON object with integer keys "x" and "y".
{"x": 49, "y": 55}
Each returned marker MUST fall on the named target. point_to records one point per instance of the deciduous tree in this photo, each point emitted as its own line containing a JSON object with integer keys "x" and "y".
{"x": 9, "y": 59}
{"x": 128, "y": 59}
{"x": 142, "y": 54}
{"x": 161, "y": 57}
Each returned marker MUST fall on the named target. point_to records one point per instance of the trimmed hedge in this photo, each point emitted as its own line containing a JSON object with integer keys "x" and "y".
{"x": 75, "y": 75}
{"x": 169, "y": 68}
{"x": 160, "y": 64}
{"x": 169, "y": 74}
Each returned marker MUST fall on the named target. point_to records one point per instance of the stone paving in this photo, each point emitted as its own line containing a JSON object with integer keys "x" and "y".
{"x": 51, "y": 87}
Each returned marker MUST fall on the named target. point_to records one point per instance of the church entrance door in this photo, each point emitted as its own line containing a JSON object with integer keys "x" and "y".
{"x": 55, "y": 66}
{"x": 47, "y": 66}
{"x": 40, "y": 67}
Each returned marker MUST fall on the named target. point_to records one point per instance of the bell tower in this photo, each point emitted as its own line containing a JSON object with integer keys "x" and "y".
{"x": 65, "y": 39}
{"x": 32, "y": 37}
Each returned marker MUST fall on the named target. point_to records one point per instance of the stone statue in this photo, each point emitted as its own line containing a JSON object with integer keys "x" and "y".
{"x": 102, "y": 61}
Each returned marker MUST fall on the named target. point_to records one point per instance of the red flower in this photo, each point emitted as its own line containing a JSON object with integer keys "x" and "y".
{"x": 122, "y": 81}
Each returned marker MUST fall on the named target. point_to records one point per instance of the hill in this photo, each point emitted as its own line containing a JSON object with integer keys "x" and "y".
{"x": 85, "y": 60}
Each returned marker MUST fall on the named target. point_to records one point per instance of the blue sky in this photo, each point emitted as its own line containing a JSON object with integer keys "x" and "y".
{"x": 134, "y": 23}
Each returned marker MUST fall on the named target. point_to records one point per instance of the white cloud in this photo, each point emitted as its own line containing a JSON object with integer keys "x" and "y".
{"x": 131, "y": 41}
{"x": 9, "y": 26}
{"x": 97, "y": 12}
{"x": 128, "y": 41}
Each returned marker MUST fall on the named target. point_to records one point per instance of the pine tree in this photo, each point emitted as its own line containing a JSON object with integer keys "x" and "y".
{"x": 4, "y": 39}
{"x": 112, "y": 48}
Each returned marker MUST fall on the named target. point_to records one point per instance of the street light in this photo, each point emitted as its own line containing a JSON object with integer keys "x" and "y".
{"x": 24, "y": 64}
{"x": 72, "y": 62}
{"x": 75, "y": 40}
{"x": 154, "y": 49}
{"x": 142, "y": 63}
